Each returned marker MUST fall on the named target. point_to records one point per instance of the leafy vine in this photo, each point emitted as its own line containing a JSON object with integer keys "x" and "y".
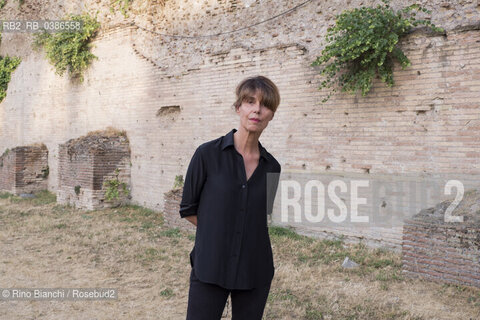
{"x": 363, "y": 44}
{"x": 114, "y": 187}
{"x": 70, "y": 50}
{"x": 7, "y": 66}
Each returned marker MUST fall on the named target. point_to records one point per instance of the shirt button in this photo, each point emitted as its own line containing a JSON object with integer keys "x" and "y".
{"x": 243, "y": 186}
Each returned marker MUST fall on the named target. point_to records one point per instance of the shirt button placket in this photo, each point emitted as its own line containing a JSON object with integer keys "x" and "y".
{"x": 239, "y": 230}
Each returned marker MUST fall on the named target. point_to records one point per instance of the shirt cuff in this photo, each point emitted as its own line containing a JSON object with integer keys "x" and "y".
{"x": 188, "y": 210}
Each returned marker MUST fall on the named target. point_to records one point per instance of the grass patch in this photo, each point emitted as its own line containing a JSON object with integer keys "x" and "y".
{"x": 167, "y": 293}
{"x": 141, "y": 218}
{"x": 44, "y": 197}
{"x": 5, "y": 195}
{"x": 389, "y": 275}
{"x": 282, "y": 232}
{"x": 283, "y": 295}
{"x": 138, "y": 210}
{"x": 62, "y": 208}
{"x": 313, "y": 314}
{"x": 41, "y": 198}
{"x": 376, "y": 264}
{"x": 150, "y": 255}
{"x": 171, "y": 233}
{"x": 147, "y": 225}
{"x": 132, "y": 246}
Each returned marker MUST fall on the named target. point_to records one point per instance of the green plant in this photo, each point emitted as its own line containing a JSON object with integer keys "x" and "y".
{"x": 5, "y": 195}
{"x": 7, "y": 66}
{"x": 70, "y": 50}
{"x": 288, "y": 232}
{"x": 171, "y": 233}
{"x": 4, "y": 2}
{"x": 178, "y": 182}
{"x": 113, "y": 187}
{"x": 167, "y": 292}
{"x": 41, "y": 197}
{"x": 363, "y": 44}
{"x": 123, "y": 5}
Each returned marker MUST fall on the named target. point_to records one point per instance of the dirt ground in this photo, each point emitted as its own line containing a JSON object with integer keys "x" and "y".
{"x": 45, "y": 245}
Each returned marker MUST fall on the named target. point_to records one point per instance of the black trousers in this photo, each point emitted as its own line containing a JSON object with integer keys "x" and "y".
{"x": 207, "y": 301}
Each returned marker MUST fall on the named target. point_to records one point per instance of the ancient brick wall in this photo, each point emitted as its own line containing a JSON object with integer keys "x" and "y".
{"x": 171, "y": 93}
{"x": 24, "y": 169}
{"x": 7, "y": 171}
{"x": 86, "y": 163}
{"x": 444, "y": 251}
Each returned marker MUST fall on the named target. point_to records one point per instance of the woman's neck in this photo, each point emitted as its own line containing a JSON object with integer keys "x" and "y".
{"x": 246, "y": 142}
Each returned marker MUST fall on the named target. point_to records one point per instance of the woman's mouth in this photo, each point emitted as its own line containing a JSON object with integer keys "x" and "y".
{"x": 255, "y": 120}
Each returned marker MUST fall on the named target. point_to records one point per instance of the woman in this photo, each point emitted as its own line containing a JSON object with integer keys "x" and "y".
{"x": 225, "y": 195}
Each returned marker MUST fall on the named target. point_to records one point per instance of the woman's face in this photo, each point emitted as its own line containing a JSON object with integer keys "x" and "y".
{"x": 253, "y": 115}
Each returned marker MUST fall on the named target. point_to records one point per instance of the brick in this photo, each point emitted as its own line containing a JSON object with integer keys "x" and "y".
{"x": 85, "y": 163}
{"x": 24, "y": 169}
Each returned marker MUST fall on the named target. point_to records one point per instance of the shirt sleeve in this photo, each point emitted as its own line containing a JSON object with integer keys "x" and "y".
{"x": 193, "y": 185}
{"x": 272, "y": 186}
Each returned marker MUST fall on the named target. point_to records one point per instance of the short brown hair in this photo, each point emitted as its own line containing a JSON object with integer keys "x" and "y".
{"x": 269, "y": 95}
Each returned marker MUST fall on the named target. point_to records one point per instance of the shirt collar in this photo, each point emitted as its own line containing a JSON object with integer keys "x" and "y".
{"x": 228, "y": 141}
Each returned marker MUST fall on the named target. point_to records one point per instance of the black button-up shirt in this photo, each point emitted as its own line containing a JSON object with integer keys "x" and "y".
{"x": 232, "y": 245}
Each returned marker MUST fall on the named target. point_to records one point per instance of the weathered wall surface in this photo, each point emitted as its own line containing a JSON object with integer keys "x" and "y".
{"x": 447, "y": 252}
{"x": 24, "y": 169}
{"x": 86, "y": 163}
{"x": 425, "y": 123}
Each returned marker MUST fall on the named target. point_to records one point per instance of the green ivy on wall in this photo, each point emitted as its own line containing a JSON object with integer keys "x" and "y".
{"x": 363, "y": 44}
{"x": 178, "y": 184}
{"x": 70, "y": 50}
{"x": 7, "y": 66}
{"x": 114, "y": 187}
{"x": 4, "y": 2}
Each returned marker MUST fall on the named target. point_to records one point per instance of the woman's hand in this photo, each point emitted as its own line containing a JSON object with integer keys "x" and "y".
{"x": 192, "y": 219}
